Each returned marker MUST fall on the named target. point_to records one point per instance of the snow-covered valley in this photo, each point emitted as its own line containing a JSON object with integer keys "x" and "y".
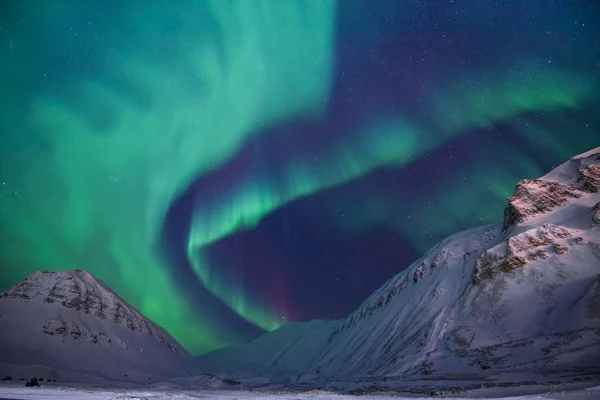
{"x": 509, "y": 309}
{"x": 166, "y": 391}
{"x": 510, "y": 299}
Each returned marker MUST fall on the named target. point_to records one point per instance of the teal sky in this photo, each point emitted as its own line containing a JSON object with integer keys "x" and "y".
{"x": 230, "y": 166}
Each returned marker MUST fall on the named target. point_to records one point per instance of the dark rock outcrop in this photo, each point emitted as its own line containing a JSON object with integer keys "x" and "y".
{"x": 589, "y": 178}
{"x": 519, "y": 250}
{"x": 596, "y": 215}
{"x": 31, "y": 382}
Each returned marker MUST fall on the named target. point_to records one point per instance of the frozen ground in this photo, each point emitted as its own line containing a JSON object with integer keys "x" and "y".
{"x": 165, "y": 392}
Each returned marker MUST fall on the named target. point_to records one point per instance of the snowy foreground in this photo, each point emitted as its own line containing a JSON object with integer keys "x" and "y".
{"x": 165, "y": 392}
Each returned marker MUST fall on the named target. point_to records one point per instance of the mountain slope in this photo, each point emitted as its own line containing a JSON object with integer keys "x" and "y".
{"x": 288, "y": 350}
{"x": 71, "y": 323}
{"x": 521, "y": 296}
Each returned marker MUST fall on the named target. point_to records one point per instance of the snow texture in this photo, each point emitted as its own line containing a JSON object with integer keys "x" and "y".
{"x": 499, "y": 310}
{"x": 166, "y": 391}
{"x": 505, "y": 300}
{"x": 69, "y": 325}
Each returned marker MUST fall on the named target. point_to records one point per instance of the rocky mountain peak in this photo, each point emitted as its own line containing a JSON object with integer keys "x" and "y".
{"x": 81, "y": 291}
{"x": 488, "y": 300}
{"x": 571, "y": 180}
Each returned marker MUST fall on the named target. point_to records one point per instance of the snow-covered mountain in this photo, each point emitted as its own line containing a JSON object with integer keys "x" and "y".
{"x": 520, "y": 296}
{"x": 286, "y": 351}
{"x": 70, "y": 325}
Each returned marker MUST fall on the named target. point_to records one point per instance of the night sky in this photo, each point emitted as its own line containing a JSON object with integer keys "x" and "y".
{"x": 227, "y": 166}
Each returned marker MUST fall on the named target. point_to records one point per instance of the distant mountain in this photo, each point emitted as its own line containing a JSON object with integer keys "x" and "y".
{"x": 70, "y": 325}
{"x": 522, "y": 296}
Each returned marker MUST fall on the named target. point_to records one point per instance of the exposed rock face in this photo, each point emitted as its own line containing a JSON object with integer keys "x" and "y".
{"x": 537, "y": 196}
{"x": 71, "y": 322}
{"x": 54, "y": 327}
{"x": 430, "y": 320}
{"x": 589, "y": 179}
{"x": 517, "y": 251}
{"x": 518, "y": 297}
{"x": 596, "y": 215}
{"x": 62, "y": 329}
{"x": 80, "y": 291}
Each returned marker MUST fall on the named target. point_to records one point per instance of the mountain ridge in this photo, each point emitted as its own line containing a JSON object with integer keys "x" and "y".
{"x": 72, "y": 322}
{"x": 80, "y": 290}
{"x": 519, "y": 296}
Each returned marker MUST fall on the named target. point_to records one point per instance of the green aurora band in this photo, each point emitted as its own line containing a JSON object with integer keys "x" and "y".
{"x": 105, "y": 190}
{"x": 86, "y": 180}
{"x": 388, "y": 142}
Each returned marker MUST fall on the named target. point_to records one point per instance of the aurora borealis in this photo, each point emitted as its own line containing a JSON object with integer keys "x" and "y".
{"x": 226, "y": 166}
